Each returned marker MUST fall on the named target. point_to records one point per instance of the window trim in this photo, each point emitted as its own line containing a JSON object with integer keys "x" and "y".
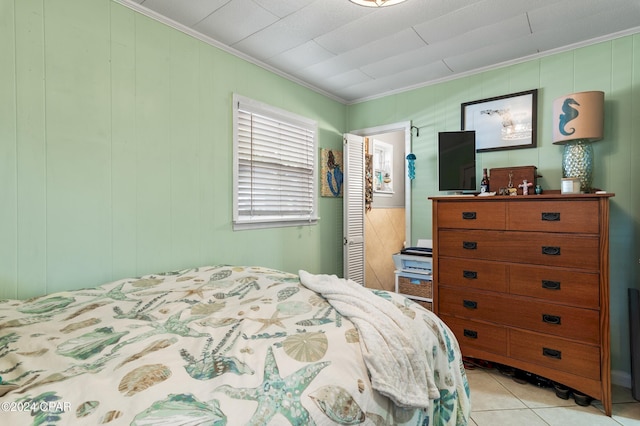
{"x": 258, "y": 222}
{"x": 388, "y": 151}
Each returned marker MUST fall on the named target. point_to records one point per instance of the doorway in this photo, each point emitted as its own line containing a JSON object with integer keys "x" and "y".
{"x": 387, "y": 219}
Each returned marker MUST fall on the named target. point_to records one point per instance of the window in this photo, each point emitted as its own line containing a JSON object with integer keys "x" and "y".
{"x": 383, "y": 166}
{"x": 274, "y": 154}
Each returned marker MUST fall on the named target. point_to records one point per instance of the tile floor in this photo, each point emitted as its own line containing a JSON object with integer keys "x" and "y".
{"x": 498, "y": 400}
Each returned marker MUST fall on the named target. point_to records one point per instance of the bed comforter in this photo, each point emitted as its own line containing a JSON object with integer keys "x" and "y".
{"x": 207, "y": 346}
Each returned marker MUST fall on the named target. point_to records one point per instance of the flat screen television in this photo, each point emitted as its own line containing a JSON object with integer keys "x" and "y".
{"x": 457, "y": 161}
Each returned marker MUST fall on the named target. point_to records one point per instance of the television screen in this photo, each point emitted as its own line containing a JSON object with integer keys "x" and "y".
{"x": 457, "y": 161}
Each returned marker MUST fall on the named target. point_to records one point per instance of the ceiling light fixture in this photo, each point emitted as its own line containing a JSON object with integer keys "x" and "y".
{"x": 376, "y": 3}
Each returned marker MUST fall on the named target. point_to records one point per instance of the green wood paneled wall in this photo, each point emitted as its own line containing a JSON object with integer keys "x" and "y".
{"x": 116, "y": 151}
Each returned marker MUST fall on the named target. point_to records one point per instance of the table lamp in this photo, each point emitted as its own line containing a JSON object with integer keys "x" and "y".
{"x": 578, "y": 120}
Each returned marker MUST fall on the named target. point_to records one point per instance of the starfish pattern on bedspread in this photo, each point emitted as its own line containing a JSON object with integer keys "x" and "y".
{"x": 266, "y": 322}
{"x": 195, "y": 291}
{"x": 115, "y": 293}
{"x": 278, "y": 394}
{"x": 172, "y": 325}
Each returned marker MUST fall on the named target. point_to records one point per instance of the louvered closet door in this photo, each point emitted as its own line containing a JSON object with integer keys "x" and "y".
{"x": 353, "y": 200}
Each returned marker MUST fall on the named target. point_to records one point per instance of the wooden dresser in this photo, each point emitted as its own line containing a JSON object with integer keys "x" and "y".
{"x": 524, "y": 281}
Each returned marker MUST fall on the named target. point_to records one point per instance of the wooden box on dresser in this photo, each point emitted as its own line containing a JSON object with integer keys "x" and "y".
{"x": 524, "y": 281}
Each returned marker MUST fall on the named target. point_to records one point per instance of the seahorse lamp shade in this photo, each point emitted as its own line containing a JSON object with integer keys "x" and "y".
{"x": 578, "y": 116}
{"x": 578, "y": 120}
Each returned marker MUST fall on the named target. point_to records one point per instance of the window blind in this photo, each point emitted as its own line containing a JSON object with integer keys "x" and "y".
{"x": 275, "y": 166}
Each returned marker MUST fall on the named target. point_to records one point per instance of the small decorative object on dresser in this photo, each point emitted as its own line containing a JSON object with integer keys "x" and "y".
{"x": 511, "y": 177}
{"x": 538, "y": 189}
{"x": 524, "y": 281}
{"x": 484, "y": 183}
{"x": 570, "y": 186}
{"x": 525, "y": 187}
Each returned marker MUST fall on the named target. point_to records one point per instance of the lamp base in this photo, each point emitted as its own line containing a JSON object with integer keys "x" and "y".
{"x": 577, "y": 162}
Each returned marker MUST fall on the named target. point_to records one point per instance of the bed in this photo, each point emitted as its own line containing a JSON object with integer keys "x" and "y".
{"x": 215, "y": 345}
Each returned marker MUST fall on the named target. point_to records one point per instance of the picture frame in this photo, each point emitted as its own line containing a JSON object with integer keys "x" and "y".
{"x": 331, "y": 181}
{"x": 503, "y": 122}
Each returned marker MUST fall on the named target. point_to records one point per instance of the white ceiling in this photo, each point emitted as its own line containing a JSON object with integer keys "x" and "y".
{"x": 354, "y": 53}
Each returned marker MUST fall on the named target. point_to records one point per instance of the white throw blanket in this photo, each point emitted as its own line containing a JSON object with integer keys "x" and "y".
{"x": 394, "y": 352}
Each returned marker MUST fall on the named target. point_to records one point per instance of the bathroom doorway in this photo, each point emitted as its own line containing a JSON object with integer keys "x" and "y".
{"x": 387, "y": 212}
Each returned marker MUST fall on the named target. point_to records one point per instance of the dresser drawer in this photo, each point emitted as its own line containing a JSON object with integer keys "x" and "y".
{"x": 558, "y": 285}
{"x": 473, "y": 274}
{"x": 473, "y": 215}
{"x": 554, "y": 216}
{"x": 580, "y": 289}
{"x": 473, "y": 334}
{"x": 558, "y": 320}
{"x": 529, "y": 314}
{"x": 539, "y": 248}
{"x": 559, "y": 354}
{"x": 472, "y": 304}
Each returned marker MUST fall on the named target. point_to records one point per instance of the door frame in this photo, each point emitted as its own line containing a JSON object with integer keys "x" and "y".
{"x": 389, "y": 128}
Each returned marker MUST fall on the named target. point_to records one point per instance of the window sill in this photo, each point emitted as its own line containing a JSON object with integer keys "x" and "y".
{"x": 245, "y": 225}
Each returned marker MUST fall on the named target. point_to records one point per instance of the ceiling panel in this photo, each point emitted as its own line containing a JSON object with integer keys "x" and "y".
{"x": 299, "y": 27}
{"x": 283, "y": 8}
{"x": 303, "y": 56}
{"x": 590, "y": 19}
{"x": 352, "y": 53}
{"x": 470, "y": 18}
{"x": 189, "y": 16}
{"x": 235, "y": 21}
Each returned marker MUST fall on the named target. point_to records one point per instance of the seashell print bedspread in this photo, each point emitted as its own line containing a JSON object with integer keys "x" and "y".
{"x": 207, "y": 346}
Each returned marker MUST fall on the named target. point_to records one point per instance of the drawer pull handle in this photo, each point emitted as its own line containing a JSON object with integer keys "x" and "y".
{"x": 552, "y": 353}
{"x": 551, "y": 285}
{"x": 472, "y": 275}
{"x": 470, "y": 304}
{"x": 469, "y": 245}
{"x": 470, "y": 334}
{"x": 469, "y": 215}
{"x": 551, "y": 319}
{"x": 551, "y": 250}
{"x": 551, "y": 216}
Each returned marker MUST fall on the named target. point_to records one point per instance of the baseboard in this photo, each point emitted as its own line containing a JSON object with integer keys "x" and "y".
{"x": 621, "y": 378}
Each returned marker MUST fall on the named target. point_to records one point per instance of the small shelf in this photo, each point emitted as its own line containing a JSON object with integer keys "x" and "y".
{"x": 415, "y": 286}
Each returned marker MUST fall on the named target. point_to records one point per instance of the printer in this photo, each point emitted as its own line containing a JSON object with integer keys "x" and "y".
{"x": 416, "y": 259}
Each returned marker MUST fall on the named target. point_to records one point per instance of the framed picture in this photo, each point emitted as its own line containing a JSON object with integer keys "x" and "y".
{"x": 503, "y": 122}
{"x": 331, "y": 173}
